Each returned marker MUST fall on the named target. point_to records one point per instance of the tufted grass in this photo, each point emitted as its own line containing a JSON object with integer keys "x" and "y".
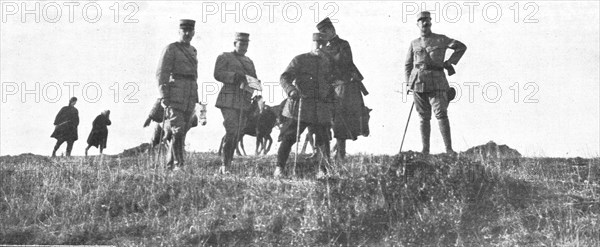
{"x": 434, "y": 201}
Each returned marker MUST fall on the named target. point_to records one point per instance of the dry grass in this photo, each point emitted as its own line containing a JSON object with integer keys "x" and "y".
{"x": 442, "y": 201}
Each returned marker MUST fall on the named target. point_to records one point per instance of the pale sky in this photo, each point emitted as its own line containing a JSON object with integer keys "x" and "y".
{"x": 547, "y": 70}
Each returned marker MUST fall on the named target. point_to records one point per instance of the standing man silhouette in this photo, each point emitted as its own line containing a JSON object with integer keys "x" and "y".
{"x": 177, "y": 74}
{"x": 425, "y": 76}
{"x": 231, "y": 69}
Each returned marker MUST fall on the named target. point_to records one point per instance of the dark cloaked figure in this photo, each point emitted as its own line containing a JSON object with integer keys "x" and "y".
{"x": 349, "y": 113}
{"x": 307, "y": 77}
{"x": 99, "y": 133}
{"x": 65, "y": 129}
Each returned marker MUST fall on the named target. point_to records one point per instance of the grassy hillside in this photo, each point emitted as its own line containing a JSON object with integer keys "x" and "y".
{"x": 437, "y": 201}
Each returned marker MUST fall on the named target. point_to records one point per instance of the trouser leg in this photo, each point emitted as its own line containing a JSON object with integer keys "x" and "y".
{"x": 179, "y": 136}
{"x": 69, "y": 148}
{"x": 423, "y": 107}
{"x": 439, "y": 102}
{"x": 228, "y": 149}
{"x": 341, "y": 148}
{"x": 322, "y": 142}
{"x": 287, "y": 136}
{"x": 178, "y": 148}
{"x": 56, "y": 147}
{"x": 176, "y": 127}
{"x": 234, "y": 123}
{"x": 284, "y": 152}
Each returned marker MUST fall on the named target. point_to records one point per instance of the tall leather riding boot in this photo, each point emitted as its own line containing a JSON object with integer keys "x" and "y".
{"x": 178, "y": 149}
{"x": 445, "y": 130}
{"x": 282, "y": 155}
{"x": 228, "y": 149}
{"x": 341, "y": 149}
{"x": 425, "y": 127}
{"x": 326, "y": 149}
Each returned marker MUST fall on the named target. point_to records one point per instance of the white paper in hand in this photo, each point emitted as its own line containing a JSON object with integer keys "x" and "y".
{"x": 251, "y": 85}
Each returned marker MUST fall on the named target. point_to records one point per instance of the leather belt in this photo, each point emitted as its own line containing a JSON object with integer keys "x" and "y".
{"x": 183, "y": 76}
{"x": 423, "y": 66}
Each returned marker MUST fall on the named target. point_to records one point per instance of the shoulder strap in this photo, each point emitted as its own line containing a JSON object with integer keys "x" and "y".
{"x": 186, "y": 53}
{"x": 243, "y": 65}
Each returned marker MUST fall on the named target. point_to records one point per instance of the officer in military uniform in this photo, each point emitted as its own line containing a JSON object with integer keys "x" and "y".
{"x": 231, "y": 69}
{"x": 348, "y": 113}
{"x": 308, "y": 76}
{"x": 425, "y": 76}
{"x": 177, "y": 74}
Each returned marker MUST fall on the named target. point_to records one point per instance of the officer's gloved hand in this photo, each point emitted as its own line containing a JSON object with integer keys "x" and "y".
{"x": 165, "y": 103}
{"x": 239, "y": 78}
{"x": 447, "y": 64}
{"x": 294, "y": 94}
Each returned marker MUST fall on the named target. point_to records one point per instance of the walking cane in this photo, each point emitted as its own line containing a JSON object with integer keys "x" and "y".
{"x": 162, "y": 128}
{"x": 297, "y": 136}
{"x": 406, "y": 128}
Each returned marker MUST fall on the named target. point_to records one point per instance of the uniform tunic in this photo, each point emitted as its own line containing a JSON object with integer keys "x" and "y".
{"x": 227, "y": 65}
{"x": 177, "y": 74}
{"x": 424, "y": 70}
{"x": 232, "y": 100}
{"x": 425, "y": 62}
{"x": 312, "y": 76}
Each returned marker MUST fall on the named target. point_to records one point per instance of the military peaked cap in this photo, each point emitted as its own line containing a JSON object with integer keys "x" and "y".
{"x": 187, "y": 24}
{"x": 424, "y": 14}
{"x": 242, "y": 37}
{"x": 325, "y": 23}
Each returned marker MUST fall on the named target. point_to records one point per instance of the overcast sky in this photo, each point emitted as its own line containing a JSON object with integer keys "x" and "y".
{"x": 542, "y": 56}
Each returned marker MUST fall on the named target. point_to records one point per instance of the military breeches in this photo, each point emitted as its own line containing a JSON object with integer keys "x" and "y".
{"x": 289, "y": 128}
{"x": 177, "y": 122}
{"x": 234, "y": 121}
{"x": 436, "y": 101}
